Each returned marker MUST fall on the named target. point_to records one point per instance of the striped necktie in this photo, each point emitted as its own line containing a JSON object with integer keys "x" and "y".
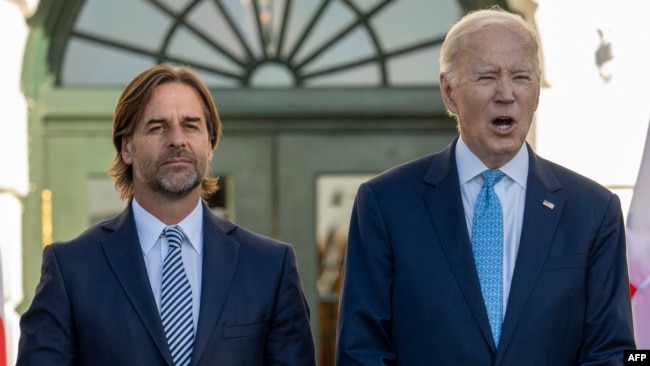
{"x": 176, "y": 300}
{"x": 487, "y": 247}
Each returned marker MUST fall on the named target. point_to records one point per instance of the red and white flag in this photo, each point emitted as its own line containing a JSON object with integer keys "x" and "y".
{"x": 638, "y": 246}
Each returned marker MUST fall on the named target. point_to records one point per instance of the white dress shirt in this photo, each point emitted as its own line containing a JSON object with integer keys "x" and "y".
{"x": 154, "y": 248}
{"x": 511, "y": 191}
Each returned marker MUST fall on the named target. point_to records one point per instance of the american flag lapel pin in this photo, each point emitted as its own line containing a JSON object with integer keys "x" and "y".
{"x": 548, "y": 204}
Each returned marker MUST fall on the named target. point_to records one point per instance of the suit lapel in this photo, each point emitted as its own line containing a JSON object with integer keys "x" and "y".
{"x": 124, "y": 255}
{"x": 445, "y": 207}
{"x": 541, "y": 216}
{"x": 220, "y": 255}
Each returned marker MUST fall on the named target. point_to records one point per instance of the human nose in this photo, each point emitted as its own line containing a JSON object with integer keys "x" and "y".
{"x": 505, "y": 92}
{"x": 175, "y": 135}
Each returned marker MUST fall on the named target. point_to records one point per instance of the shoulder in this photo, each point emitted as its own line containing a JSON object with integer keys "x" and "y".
{"x": 582, "y": 196}
{"x": 91, "y": 237}
{"x": 415, "y": 168}
{"x": 575, "y": 184}
{"x": 414, "y": 177}
{"x": 431, "y": 169}
{"x": 258, "y": 241}
{"x": 89, "y": 242}
{"x": 248, "y": 240}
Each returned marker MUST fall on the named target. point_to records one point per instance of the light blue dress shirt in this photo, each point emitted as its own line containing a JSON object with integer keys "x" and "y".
{"x": 155, "y": 247}
{"x": 511, "y": 191}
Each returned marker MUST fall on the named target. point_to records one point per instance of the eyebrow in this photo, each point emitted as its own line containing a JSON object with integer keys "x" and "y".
{"x": 485, "y": 70}
{"x": 492, "y": 70}
{"x": 191, "y": 119}
{"x": 184, "y": 119}
{"x": 156, "y": 120}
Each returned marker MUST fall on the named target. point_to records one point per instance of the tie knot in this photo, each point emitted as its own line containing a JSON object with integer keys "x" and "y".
{"x": 492, "y": 177}
{"x": 174, "y": 235}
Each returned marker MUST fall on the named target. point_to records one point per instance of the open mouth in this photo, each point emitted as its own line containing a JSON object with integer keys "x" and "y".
{"x": 503, "y": 123}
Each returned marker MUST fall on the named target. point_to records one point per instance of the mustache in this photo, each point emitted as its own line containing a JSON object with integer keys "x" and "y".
{"x": 178, "y": 154}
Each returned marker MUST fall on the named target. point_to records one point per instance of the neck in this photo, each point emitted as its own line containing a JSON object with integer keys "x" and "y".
{"x": 495, "y": 163}
{"x": 170, "y": 211}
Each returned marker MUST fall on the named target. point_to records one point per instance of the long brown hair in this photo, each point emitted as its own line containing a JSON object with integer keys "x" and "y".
{"x": 130, "y": 107}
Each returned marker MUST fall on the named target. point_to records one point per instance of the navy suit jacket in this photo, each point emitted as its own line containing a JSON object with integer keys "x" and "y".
{"x": 411, "y": 294}
{"x": 94, "y": 304}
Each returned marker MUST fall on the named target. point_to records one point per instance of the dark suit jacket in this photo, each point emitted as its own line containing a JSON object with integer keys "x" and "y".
{"x": 94, "y": 304}
{"x": 411, "y": 294}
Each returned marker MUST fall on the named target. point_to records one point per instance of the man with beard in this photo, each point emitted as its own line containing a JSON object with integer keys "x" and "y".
{"x": 166, "y": 282}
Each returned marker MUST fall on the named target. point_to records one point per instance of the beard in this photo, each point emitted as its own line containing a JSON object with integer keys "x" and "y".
{"x": 173, "y": 183}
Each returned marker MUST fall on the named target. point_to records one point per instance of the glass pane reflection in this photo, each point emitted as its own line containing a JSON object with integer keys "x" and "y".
{"x": 335, "y": 195}
{"x": 320, "y": 43}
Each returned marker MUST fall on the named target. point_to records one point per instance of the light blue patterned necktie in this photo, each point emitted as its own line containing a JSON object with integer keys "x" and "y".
{"x": 487, "y": 246}
{"x": 176, "y": 300}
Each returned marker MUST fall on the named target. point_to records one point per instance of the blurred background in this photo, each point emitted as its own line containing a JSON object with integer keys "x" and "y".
{"x": 315, "y": 96}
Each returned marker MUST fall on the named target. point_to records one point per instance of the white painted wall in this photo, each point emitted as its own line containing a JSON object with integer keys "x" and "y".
{"x": 595, "y": 128}
{"x": 13, "y": 160}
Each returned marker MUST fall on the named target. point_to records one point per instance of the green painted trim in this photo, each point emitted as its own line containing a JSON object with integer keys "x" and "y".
{"x": 266, "y": 103}
{"x": 37, "y": 79}
{"x": 56, "y": 19}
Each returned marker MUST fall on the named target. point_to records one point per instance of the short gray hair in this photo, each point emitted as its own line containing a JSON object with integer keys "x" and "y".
{"x": 477, "y": 20}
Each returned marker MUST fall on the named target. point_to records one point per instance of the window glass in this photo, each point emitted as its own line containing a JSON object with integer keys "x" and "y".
{"x": 126, "y": 22}
{"x": 211, "y": 23}
{"x": 242, "y": 15}
{"x": 175, "y": 5}
{"x": 415, "y": 68}
{"x": 334, "y": 200}
{"x": 366, "y": 75}
{"x": 330, "y": 23}
{"x": 356, "y": 45}
{"x": 406, "y": 23}
{"x": 261, "y": 43}
{"x": 187, "y": 48}
{"x": 90, "y": 63}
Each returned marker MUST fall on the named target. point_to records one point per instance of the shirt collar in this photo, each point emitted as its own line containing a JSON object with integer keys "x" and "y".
{"x": 149, "y": 227}
{"x": 469, "y": 165}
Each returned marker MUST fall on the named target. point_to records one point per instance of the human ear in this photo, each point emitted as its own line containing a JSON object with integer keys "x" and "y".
{"x": 127, "y": 151}
{"x": 447, "y": 92}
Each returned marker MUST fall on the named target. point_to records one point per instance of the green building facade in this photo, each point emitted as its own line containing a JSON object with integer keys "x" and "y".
{"x": 315, "y": 96}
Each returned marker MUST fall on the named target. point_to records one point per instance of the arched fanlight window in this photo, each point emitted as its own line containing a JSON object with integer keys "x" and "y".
{"x": 261, "y": 43}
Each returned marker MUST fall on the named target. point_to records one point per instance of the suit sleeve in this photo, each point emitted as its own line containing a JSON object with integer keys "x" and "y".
{"x": 608, "y": 321}
{"x": 365, "y": 314}
{"x": 47, "y": 335}
{"x": 290, "y": 341}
